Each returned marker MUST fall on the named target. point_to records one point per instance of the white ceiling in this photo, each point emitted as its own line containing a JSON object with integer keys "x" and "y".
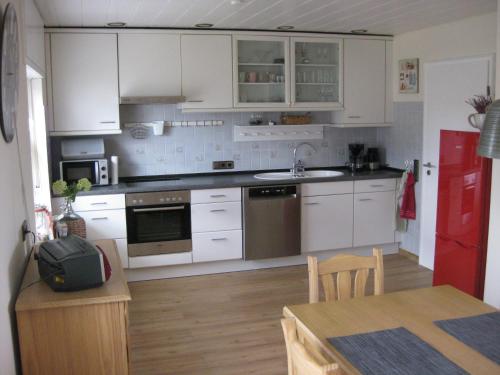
{"x": 378, "y": 16}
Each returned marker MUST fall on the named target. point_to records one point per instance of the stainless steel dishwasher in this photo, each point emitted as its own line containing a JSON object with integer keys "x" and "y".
{"x": 271, "y": 221}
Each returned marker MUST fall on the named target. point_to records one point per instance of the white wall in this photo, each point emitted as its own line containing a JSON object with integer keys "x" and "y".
{"x": 468, "y": 37}
{"x": 492, "y": 280}
{"x": 12, "y": 209}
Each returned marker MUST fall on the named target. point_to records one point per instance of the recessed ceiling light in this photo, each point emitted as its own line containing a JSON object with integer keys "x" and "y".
{"x": 116, "y": 24}
{"x": 236, "y": 2}
{"x": 204, "y": 25}
{"x": 285, "y": 27}
{"x": 359, "y": 31}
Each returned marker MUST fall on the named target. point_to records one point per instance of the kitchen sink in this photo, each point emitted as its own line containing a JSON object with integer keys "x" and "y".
{"x": 289, "y": 175}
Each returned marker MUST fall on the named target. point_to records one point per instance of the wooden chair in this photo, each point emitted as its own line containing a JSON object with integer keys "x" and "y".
{"x": 342, "y": 265}
{"x": 300, "y": 360}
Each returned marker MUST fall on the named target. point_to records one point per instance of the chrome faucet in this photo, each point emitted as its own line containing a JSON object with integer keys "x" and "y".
{"x": 298, "y": 167}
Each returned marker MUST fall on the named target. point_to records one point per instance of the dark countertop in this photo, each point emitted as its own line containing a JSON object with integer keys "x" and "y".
{"x": 235, "y": 179}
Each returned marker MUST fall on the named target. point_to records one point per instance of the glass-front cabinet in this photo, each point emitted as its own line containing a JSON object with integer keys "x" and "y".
{"x": 261, "y": 71}
{"x": 316, "y": 72}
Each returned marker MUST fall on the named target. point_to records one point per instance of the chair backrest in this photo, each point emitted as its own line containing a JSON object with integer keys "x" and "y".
{"x": 300, "y": 360}
{"x": 339, "y": 287}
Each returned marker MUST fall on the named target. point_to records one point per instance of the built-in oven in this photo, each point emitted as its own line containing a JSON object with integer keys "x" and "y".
{"x": 158, "y": 223}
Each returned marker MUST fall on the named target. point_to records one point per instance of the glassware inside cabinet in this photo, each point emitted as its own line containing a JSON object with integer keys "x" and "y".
{"x": 317, "y": 71}
{"x": 261, "y": 71}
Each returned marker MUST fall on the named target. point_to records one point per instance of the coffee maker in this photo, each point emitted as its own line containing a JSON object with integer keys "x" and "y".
{"x": 356, "y": 157}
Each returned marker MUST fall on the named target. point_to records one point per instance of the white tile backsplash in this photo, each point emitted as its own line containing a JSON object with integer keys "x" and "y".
{"x": 192, "y": 149}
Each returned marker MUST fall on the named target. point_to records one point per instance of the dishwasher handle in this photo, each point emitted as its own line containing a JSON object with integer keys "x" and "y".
{"x": 273, "y": 192}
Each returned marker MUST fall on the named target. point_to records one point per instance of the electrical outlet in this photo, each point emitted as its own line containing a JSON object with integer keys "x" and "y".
{"x": 223, "y": 164}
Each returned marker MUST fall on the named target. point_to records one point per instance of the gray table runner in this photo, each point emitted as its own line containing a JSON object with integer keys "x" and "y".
{"x": 393, "y": 352}
{"x": 480, "y": 332}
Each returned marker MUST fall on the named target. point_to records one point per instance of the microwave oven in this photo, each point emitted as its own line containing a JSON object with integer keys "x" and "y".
{"x": 96, "y": 170}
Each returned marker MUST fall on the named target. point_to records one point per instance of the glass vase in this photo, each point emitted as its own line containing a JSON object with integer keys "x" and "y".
{"x": 69, "y": 222}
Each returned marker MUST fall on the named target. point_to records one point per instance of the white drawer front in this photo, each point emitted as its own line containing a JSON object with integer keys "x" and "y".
{"x": 213, "y": 246}
{"x": 213, "y": 217}
{"x": 369, "y": 186}
{"x": 160, "y": 260}
{"x": 92, "y": 202}
{"x": 121, "y": 245}
{"x": 216, "y": 195}
{"x": 374, "y": 218}
{"x": 106, "y": 224}
{"x": 327, "y": 188}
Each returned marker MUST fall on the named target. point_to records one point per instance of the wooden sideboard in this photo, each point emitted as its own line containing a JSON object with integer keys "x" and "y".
{"x": 83, "y": 332}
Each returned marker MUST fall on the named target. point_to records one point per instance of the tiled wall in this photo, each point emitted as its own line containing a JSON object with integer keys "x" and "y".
{"x": 404, "y": 141}
{"x": 192, "y": 149}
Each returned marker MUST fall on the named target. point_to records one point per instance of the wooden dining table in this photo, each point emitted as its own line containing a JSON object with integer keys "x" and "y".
{"x": 416, "y": 310}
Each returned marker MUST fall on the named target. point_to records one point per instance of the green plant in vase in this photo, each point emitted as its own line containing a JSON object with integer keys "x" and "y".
{"x": 69, "y": 222}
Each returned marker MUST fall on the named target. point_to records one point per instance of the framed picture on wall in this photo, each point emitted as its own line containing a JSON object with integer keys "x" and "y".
{"x": 408, "y": 76}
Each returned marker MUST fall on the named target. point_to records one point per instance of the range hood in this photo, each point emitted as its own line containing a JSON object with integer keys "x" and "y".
{"x": 152, "y": 99}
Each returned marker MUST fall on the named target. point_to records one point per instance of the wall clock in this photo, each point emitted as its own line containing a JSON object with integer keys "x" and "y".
{"x": 9, "y": 73}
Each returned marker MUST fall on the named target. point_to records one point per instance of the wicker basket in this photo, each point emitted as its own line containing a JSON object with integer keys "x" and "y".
{"x": 296, "y": 119}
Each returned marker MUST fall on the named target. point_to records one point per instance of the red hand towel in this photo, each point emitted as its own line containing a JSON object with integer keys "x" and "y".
{"x": 408, "y": 208}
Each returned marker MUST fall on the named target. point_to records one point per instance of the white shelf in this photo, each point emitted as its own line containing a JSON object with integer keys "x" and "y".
{"x": 260, "y": 64}
{"x": 318, "y": 65}
{"x": 376, "y": 125}
{"x": 277, "y": 132}
{"x": 262, "y": 83}
{"x": 316, "y": 84}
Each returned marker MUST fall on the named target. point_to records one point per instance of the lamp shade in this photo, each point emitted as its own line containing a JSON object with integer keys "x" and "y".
{"x": 489, "y": 141}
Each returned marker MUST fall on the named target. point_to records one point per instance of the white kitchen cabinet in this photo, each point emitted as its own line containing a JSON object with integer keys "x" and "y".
{"x": 216, "y": 195}
{"x": 104, "y": 224}
{"x": 316, "y": 72}
{"x": 84, "y": 72}
{"x": 150, "y": 64}
{"x": 104, "y": 216}
{"x": 326, "y": 222}
{"x": 213, "y": 217}
{"x": 216, "y": 224}
{"x": 370, "y": 186}
{"x": 364, "y": 83}
{"x": 374, "y": 218}
{"x": 207, "y": 72}
{"x": 261, "y": 68}
{"x": 222, "y": 245}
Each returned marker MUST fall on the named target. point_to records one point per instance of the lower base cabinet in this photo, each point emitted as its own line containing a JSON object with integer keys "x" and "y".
{"x": 222, "y": 245}
{"x": 374, "y": 218}
{"x": 327, "y": 222}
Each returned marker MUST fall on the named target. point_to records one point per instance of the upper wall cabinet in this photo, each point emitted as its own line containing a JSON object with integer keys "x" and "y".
{"x": 316, "y": 72}
{"x": 84, "y": 72}
{"x": 365, "y": 83}
{"x": 261, "y": 71}
{"x": 150, "y": 64}
{"x": 207, "y": 72}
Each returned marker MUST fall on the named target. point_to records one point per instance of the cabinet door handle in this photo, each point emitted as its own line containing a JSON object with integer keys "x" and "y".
{"x": 365, "y": 200}
{"x": 107, "y": 122}
{"x": 218, "y": 196}
{"x": 353, "y": 116}
{"x": 377, "y": 185}
{"x": 219, "y": 239}
{"x": 311, "y": 203}
{"x": 98, "y": 203}
{"x": 100, "y": 218}
{"x": 219, "y": 210}
{"x": 195, "y": 101}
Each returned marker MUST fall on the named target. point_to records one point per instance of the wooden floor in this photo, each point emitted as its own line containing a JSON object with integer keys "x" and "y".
{"x": 228, "y": 323}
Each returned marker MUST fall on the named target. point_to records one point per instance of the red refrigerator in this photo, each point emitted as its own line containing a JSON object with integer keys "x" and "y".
{"x": 462, "y": 213}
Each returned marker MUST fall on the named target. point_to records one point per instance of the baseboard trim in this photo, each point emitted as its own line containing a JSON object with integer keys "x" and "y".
{"x": 409, "y": 255}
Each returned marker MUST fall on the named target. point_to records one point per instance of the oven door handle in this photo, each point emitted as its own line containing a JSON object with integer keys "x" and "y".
{"x": 173, "y": 208}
